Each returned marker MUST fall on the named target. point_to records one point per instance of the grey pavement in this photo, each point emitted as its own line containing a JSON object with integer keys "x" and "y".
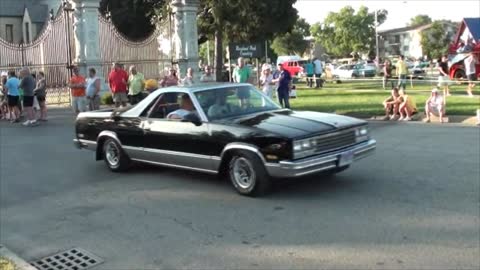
{"x": 414, "y": 204}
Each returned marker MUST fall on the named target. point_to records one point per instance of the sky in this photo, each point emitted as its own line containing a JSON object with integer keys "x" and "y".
{"x": 399, "y": 12}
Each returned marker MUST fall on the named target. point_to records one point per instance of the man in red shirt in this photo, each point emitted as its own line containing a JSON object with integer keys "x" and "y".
{"x": 118, "y": 79}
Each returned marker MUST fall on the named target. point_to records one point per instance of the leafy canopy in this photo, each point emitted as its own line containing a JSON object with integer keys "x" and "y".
{"x": 293, "y": 42}
{"x": 420, "y": 20}
{"x": 346, "y": 32}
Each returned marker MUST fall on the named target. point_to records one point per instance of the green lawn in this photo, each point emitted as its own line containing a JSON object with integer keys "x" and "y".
{"x": 364, "y": 99}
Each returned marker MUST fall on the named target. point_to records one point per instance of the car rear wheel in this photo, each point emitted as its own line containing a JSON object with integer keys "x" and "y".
{"x": 248, "y": 175}
{"x": 459, "y": 75}
{"x": 114, "y": 156}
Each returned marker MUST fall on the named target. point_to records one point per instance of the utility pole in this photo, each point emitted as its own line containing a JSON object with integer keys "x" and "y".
{"x": 376, "y": 38}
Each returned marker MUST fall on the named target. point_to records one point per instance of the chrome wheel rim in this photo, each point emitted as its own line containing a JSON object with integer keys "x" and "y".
{"x": 243, "y": 173}
{"x": 112, "y": 154}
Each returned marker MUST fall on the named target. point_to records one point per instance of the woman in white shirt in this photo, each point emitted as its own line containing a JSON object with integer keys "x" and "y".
{"x": 266, "y": 80}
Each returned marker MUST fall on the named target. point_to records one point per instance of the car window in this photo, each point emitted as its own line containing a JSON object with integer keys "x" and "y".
{"x": 233, "y": 101}
{"x": 171, "y": 103}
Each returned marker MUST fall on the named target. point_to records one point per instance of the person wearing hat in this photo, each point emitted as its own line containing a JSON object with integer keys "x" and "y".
{"x": 283, "y": 90}
{"x": 434, "y": 106}
{"x": 266, "y": 80}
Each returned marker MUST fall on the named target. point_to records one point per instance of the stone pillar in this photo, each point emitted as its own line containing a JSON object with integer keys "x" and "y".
{"x": 186, "y": 35}
{"x": 87, "y": 38}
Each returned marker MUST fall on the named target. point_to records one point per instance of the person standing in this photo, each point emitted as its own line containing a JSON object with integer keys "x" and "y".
{"x": 266, "y": 81}
{"x": 171, "y": 79}
{"x": 208, "y": 76}
{"x": 117, "y": 80}
{"x": 241, "y": 74}
{"x": 387, "y": 73}
{"x": 402, "y": 72}
{"x": 309, "y": 70}
{"x": 188, "y": 80}
{"x": 284, "y": 80}
{"x": 94, "y": 85}
{"x": 28, "y": 85}
{"x": 13, "y": 95}
{"x": 318, "y": 73}
{"x": 136, "y": 84}
{"x": 443, "y": 78}
{"x": 77, "y": 85}
{"x": 471, "y": 72}
{"x": 40, "y": 93}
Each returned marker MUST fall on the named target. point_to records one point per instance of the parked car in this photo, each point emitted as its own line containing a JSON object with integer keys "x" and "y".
{"x": 248, "y": 145}
{"x": 295, "y": 67}
{"x": 354, "y": 71}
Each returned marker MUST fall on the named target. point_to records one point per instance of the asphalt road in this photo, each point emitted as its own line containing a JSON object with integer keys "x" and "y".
{"x": 414, "y": 204}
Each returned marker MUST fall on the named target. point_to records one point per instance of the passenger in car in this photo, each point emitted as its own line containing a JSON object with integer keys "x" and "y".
{"x": 186, "y": 107}
{"x": 221, "y": 107}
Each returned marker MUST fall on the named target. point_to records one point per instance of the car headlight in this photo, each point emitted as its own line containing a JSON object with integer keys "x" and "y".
{"x": 361, "y": 134}
{"x": 304, "y": 148}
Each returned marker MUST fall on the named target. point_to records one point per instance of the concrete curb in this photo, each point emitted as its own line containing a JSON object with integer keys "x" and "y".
{"x": 10, "y": 261}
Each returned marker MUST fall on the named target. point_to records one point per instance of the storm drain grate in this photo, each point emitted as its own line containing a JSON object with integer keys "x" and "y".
{"x": 72, "y": 259}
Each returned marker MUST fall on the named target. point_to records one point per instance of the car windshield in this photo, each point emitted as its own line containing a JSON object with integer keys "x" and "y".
{"x": 233, "y": 101}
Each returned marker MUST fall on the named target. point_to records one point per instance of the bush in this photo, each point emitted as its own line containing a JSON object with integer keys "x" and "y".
{"x": 107, "y": 99}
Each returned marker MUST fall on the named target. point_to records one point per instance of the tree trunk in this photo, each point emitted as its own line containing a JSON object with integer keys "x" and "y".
{"x": 219, "y": 54}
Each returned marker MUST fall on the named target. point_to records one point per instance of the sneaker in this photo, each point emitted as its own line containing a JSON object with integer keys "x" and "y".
{"x": 26, "y": 123}
{"x": 392, "y": 117}
{"x": 426, "y": 120}
{"x": 407, "y": 119}
{"x": 386, "y": 118}
{"x": 400, "y": 119}
{"x": 34, "y": 123}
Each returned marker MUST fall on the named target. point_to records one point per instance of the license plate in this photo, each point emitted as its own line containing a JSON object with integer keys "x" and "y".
{"x": 345, "y": 159}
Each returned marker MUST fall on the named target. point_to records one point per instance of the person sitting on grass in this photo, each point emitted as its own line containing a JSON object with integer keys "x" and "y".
{"x": 391, "y": 105}
{"x": 434, "y": 106}
{"x": 407, "y": 107}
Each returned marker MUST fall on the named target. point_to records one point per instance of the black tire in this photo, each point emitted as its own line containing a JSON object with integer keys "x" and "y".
{"x": 460, "y": 75}
{"x": 118, "y": 163}
{"x": 259, "y": 183}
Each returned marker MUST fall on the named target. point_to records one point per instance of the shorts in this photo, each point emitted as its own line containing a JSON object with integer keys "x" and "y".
{"x": 79, "y": 104}
{"x": 13, "y": 100}
{"x": 443, "y": 81}
{"x": 120, "y": 97}
{"x": 41, "y": 98}
{"x": 134, "y": 99}
{"x": 93, "y": 103}
{"x": 435, "y": 110}
{"x": 28, "y": 101}
{"x": 318, "y": 76}
{"x": 472, "y": 77}
{"x": 309, "y": 75}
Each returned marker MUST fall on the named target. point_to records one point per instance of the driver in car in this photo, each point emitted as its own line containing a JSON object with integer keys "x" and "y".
{"x": 186, "y": 107}
{"x": 221, "y": 107}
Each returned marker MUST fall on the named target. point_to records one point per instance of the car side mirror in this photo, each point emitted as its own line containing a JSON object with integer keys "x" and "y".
{"x": 192, "y": 118}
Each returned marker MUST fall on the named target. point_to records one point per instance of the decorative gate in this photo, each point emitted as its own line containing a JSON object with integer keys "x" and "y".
{"x": 49, "y": 53}
{"x": 146, "y": 55}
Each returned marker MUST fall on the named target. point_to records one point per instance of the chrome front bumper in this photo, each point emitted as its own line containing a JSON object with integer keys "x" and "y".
{"x": 315, "y": 164}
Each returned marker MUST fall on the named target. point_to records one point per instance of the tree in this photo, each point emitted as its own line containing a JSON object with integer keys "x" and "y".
{"x": 435, "y": 40}
{"x": 347, "y": 32}
{"x": 420, "y": 20}
{"x": 243, "y": 21}
{"x": 293, "y": 42}
{"x": 133, "y": 18}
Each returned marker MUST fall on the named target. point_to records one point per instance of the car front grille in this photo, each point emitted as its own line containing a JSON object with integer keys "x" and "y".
{"x": 334, "y": 141}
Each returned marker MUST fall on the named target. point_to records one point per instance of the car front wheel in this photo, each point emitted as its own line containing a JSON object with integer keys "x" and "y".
{"x": 248, "y": 175}
{"x": 114, "y": 156}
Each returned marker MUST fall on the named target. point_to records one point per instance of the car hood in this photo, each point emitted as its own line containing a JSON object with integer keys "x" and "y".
{"x": 293, "y": 124}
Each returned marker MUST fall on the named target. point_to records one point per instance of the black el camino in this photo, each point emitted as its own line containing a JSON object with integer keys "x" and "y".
{"x": 227, "y": 129}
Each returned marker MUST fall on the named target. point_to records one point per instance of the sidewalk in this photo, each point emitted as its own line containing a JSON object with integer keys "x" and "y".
{"x": 10, "y": 261}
